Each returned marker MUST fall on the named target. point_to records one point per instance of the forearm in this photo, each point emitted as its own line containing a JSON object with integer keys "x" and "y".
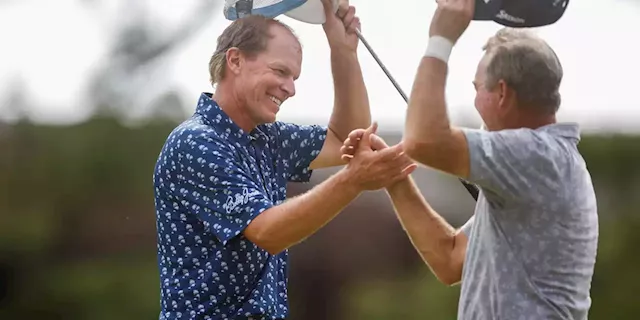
{"x": 282, "y": 226}
{"x": 430, "y": 234}
{"x": 427, "y": 122}
{"x": 351, "y": 103}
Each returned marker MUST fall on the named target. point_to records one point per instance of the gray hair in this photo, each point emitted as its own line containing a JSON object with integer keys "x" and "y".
{"x": 528, "y": 65}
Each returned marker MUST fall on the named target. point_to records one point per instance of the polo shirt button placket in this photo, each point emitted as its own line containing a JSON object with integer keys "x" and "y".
{"x": 256, "y": 147}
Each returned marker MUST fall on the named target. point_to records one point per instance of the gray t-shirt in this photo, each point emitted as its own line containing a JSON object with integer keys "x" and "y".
{"x": 533, "y": 237}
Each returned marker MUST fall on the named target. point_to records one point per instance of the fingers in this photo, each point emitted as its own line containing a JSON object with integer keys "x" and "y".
{"x": 346, "y": 157}
{"x": 351, "y": 142}
{"x": 348, "y": 149}
{"x": 354, "y": 25}
{"x": 330, "y": 12}
{"x": 409, "y": 169}
{"x": 365, "y": 142}
{"x": 391, "y": 153}
{"x": 343, "y": 8}
{"x": 377, "y": 143}
{"x": 404, "y": 174}
{"x": 348, "y": 17}
{"x": 356, "y": 134}
{"x": 397, "y": 170}
{"x": 465, "y": 6}
{"x": 328, "y": 7}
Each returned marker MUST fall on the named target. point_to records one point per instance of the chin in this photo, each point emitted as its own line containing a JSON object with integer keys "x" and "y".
{"x": 268, "y": 117}
{"x": 271, "y": 119}
{"x": 270, "y": 114}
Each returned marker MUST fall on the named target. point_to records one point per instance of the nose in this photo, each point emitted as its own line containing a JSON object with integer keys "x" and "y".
{"x": 289, "y": 87}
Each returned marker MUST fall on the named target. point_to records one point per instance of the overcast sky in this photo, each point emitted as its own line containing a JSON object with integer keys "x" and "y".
{"x": 55, "y": 45}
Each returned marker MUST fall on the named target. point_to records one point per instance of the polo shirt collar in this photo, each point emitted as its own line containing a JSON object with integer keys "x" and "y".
{"x": 217, "y": 118}
{"x": 568, "y": 130}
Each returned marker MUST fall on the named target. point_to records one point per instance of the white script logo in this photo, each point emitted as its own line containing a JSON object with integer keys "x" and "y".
{"x": 239, "y": 199}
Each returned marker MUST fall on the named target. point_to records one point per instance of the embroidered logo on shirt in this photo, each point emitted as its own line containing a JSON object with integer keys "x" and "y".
{"x": 239, "y": 199}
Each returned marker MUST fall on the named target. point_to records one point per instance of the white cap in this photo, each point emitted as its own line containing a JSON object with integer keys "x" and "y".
{"x": 311, "y": 11}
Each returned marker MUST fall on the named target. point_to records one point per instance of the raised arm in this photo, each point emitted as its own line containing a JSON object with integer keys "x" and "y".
{"x": 351, "y": 102}
{"x": 430, "y": 139}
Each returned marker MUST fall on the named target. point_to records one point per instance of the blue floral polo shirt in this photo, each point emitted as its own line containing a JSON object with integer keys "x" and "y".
{"x": 211, "y": 179}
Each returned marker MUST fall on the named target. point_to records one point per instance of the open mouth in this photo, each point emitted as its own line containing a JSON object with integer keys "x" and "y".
{"x": 275, "y": 100}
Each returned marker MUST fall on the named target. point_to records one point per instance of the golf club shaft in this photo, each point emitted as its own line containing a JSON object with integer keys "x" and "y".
{"x": 382, "y": 66}
{"x": 472, "y": 189}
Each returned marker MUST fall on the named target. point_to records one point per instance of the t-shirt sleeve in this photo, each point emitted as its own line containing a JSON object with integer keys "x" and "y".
{"x": 299, "y": 145}
{"x": 212, "y": 184}
{"x": 467, "y": 226}
{"x": 518, "y": 163}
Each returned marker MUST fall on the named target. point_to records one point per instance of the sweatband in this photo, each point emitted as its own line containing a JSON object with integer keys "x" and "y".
{"x": 440, "y": 48}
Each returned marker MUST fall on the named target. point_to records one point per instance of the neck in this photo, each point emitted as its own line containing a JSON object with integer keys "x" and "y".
{"x": 235, "y": 108}
{"x": 526, "y": 118}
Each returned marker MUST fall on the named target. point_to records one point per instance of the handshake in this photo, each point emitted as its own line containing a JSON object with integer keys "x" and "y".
{"x": 371, "y": 163}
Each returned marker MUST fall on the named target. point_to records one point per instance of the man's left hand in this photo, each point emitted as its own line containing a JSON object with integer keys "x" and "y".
{"x": 340, "y": 27}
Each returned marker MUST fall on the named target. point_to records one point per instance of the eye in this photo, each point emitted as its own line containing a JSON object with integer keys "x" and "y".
{"x": 280, "y": 71}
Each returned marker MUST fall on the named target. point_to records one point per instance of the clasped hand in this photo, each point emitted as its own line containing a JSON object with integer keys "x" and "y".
{"x": 372, "y": 163}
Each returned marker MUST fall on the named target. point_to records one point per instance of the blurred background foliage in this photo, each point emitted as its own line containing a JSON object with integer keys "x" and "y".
{"x": 77, "y": 233}
{"x": 77, "y": 223}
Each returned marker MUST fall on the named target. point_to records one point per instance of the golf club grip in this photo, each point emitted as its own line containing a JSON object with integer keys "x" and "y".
{"x": 472, "y": 189}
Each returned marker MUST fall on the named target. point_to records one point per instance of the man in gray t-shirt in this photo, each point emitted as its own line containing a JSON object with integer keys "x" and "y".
{"x": 533, "y": 238}
{"x": 529, "y": 250}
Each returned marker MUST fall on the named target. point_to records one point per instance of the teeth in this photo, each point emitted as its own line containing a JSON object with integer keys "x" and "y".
{"x": 275, "y": 100}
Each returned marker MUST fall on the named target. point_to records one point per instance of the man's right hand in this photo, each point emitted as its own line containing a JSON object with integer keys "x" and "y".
{"x": 372, "y": 164}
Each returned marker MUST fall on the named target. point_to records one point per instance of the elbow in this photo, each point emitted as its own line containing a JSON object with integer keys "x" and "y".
{"x": 446, "y": 273}
{"x": 411, "y": 147}
{"x": 418, "y": 150}
{"x": 446, "y": 265}
{"x": 265, "y": 242}
{"x": 450, "y": 279}
{"x": 453, "y": 274}
{"x": 263, "y": 238}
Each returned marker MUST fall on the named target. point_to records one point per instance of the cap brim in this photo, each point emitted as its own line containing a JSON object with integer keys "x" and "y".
{"x": 486, "y": 10}
{"x": 530, "y": 14}
{"x": 311, "y": 12}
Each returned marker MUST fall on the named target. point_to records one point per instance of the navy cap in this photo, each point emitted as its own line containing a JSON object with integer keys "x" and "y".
{"x": 520, "y": 13}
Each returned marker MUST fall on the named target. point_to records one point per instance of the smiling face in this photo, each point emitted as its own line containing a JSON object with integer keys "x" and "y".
{"x": 264, "y": 81}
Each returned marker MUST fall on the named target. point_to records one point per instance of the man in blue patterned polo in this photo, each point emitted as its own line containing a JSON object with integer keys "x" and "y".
{"x": 220, "y": 180}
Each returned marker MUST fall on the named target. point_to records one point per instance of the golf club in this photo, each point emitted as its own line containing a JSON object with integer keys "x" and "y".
{"x": 473, "y": 190}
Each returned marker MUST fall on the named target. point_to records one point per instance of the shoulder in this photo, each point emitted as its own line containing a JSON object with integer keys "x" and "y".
{"x": 523, "y": 143}
{"x": 195, "y": 134}
{"x": 291, "y": 135}
{"x": 194, "y": 141}
{"x": 288, "y": 128}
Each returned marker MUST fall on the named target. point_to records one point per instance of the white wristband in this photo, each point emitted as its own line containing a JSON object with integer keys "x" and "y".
{"x": 439, "y": 47}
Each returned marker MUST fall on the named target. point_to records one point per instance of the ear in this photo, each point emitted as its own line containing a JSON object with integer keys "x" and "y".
{"x": 506, "y": 95}
{"x": 234, "y": 60}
